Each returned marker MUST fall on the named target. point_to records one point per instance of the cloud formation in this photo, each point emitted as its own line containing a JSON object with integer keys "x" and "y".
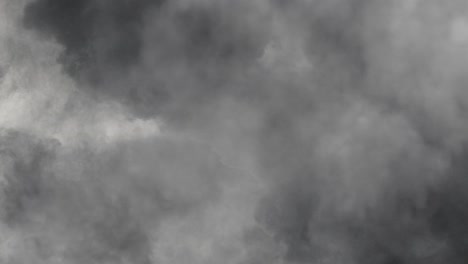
{"x": 216, "y": 131}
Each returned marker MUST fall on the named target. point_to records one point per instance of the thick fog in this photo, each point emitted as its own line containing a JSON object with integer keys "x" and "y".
{"x": 233, "y": 131}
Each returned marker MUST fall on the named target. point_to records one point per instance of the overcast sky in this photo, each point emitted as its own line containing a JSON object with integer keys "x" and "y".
{"x": 233, "y": 131}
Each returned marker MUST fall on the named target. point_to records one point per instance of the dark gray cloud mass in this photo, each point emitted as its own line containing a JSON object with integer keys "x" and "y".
{"x": 84, "y": 27}
{"x": 353, "y": 113}
{"x": 118, "y": 47}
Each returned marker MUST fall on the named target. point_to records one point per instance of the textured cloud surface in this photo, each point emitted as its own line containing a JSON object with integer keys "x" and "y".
{"x": 233, "y": 131}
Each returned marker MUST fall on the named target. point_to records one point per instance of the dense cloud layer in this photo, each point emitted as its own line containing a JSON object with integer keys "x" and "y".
{"x": 220, "y": 131}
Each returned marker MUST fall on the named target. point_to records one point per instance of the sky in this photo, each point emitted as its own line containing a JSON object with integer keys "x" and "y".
{"x": 233, "y": 131}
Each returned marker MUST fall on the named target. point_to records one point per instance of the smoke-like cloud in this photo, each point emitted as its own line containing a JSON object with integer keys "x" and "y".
{"x": 217, "y": 131}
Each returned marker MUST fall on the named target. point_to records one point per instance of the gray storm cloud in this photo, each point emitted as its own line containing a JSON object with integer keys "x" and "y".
{"x": 246, "y": 132}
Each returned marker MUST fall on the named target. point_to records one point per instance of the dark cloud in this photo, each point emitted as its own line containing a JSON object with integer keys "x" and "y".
{"x": 94, "y": 34}
{"x": 124, "y": 49}
{"x": 448, "y": 210}
{"x": 25, "y": 169}
{"x": 101, "y": 207}
{"x": 361, "y": 167}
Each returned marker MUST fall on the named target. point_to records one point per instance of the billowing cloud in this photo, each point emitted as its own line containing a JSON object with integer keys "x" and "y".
{"x": 216, "y": 131}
